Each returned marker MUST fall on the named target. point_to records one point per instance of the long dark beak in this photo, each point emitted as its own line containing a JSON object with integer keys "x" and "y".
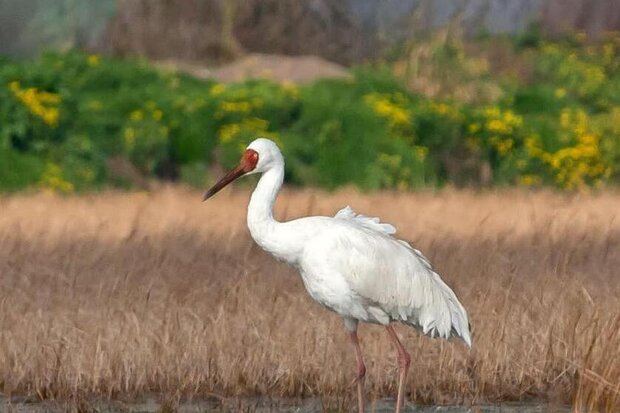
{"x": 226, "y": 179}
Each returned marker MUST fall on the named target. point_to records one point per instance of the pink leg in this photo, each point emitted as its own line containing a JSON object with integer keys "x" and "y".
{"x": 360, "y": 371}
{"x": 403, "y": 363}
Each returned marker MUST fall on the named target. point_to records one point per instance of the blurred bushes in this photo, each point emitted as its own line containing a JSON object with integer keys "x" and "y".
{"x": 64, "y": 116}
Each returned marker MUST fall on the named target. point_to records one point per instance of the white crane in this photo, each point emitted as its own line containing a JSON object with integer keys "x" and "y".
{"x": 351, "y": 264}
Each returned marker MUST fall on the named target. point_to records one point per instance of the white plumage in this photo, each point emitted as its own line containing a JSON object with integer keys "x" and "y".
{"x": 397, "y": 281}
{"x": 351, "y": 264}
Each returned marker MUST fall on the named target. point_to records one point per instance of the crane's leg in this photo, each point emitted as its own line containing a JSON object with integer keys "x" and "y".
{"x": 403, "y": 363}
{"x": 360, "y": 372}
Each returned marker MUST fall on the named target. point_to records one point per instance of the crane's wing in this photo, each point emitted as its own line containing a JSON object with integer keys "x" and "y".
{"x": 373, "y": 224}
{"x": 394, "y": 277}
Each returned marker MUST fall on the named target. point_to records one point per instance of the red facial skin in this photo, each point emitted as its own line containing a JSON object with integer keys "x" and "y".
{"x": 248, "y": 163}
{"x": 249, "y": 160}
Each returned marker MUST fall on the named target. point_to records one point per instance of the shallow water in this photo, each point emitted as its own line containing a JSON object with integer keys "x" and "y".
{"x": 152, "y": 405}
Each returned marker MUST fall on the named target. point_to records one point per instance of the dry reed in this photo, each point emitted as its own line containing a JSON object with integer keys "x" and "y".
{"x": 118, "y": 295}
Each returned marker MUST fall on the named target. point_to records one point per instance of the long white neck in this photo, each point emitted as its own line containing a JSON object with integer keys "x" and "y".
{"x": 263, "y": 227}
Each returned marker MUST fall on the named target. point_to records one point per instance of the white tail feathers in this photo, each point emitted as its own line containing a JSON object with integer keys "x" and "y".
{"x": 443, "y": 315}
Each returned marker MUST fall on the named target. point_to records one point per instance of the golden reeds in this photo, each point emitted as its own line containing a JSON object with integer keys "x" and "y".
{"x": 119, "y": 295}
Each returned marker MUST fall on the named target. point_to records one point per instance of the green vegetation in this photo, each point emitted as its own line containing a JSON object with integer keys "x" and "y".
{"x": 553, "y": 119}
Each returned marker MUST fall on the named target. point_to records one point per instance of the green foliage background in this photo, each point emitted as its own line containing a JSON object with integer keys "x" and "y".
{"x": 63, "y": 117}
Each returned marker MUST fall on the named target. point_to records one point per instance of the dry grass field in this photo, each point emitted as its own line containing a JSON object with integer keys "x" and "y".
{"x": 118, "y": 295}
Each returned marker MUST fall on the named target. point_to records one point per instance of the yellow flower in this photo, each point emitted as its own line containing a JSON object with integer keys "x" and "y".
{"x": 136, "y": 115}
{"x": 235, "y": 106}
{"x": 560, "y": 93}
{"x": 93, "y": 60}
{"x": 130, "y": 137}
{"x": 511, "y": 119}
{"x": 42, "y": 104}
{"x": 14, "y": 86}
{"x": 217, "y": 89}
{"x": 290, "y": 88}
{"x": 446, "y": 110}
{"x": 253, "y": 125}
{"x": 52, "y": 179}
{"x": 50, "y": 116}
{"x": 47, "y": 97}
{"x": 473, "y": 127}
{"x": 532, "y": 146}
{"x": 504, "y": 146}
{"x": 396, "y": 115}
{"x": 565, "y": 118}
{"x": 227, "y": 132}
{"x": 95, "y": 105}
{"x": 492, "y": 112}
{"x": 499, "y": 122}
{"x": 497, "y": 126}
{"x": 576, "y": 165}
{"x": 441, "y": 108}
{"x": 421, "y": 151}
{"x": 529, "y": 180}
{"x": 87, "y": 174}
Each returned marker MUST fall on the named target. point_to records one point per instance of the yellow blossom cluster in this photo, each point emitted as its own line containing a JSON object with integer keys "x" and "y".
{"x": 496, "y": 128}
{"x": 53, "y": 180}
{"x": 138, "y": 114}
{"x": 95, "y": 105}
{"x": 420, "y": 151}
{"x": 189, "y": 105}
{"x": 40, "y": 103}
{"x": 252, "y": 125}
{"x": 390, "y": 107}
{"x": 129, "y": 135}
{"x": 503, "y": 146}
{"x": 530, "y": 180}
{"x": 146, "y": 121}
{"x": 240, "y": 107}
{"x": 396, "y": 174}
{"x": 93, "y": 60}
{"x": 610, "y": 51}
{"x": 582, "y": 75}
{"x": 395, "y": 109}
{"x": 579, "y": 163}
{"x": 445, "y": 110}
{"x": 217, "y": 89}
{"x": 290, "y": 88}
{"x": 236, "y": 100}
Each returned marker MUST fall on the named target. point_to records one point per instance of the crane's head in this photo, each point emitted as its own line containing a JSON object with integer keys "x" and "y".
{"x": 260, "y": 155}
